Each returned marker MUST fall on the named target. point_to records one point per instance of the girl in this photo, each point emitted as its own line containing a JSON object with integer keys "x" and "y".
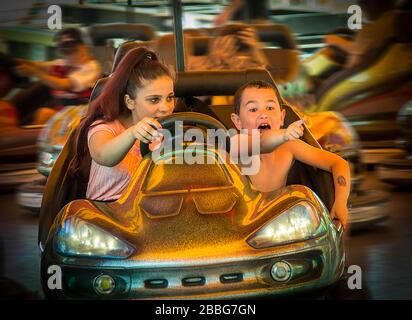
{"x": 125, "y": 113}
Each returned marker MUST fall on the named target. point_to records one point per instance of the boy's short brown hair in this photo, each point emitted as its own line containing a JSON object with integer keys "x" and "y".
{"x": 258, "y": 84}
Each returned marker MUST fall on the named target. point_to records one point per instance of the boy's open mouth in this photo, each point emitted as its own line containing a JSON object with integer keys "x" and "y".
{"x": 264, "y": 126}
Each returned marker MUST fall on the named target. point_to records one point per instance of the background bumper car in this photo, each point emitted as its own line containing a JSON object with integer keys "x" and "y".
{"x": 369, "y": 95}
{"x": 17, "y": 140}
{"x": 17, "y": 156}
{"x": 397, "y": 170}
{"x": 50, "y": 143}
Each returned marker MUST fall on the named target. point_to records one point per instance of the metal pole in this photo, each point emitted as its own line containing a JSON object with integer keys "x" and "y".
{"x": 178, "y": 30}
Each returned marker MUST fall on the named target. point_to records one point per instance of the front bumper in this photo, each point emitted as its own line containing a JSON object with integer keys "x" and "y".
{"x": 396, "y": 171}
{"x": 13, "y": 175}
{"x": 313, "y": 268}
{"x": 30, "y": 195}
{"x": 367, "y": 208}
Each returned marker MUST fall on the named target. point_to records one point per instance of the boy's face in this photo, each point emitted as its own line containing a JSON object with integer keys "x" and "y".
{"x": 259, "y": 109}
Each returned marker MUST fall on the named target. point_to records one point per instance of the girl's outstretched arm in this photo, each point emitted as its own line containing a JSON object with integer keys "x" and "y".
{"x": 108, "y": 150}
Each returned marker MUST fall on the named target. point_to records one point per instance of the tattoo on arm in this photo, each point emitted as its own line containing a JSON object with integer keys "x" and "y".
{"x": 341, "y": 181}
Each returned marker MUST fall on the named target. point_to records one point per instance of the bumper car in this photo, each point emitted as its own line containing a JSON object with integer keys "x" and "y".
{"x": 50, "y": 143}
{"x": 397, "y": 170}
{"x": 246, "y": 244}
{"x": 370, "y": 94}
{"x": 17, "y": 156}
{"x": 17, "y": 141}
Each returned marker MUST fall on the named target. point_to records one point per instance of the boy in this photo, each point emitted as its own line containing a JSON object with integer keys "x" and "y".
{"x": 258, "y": 105}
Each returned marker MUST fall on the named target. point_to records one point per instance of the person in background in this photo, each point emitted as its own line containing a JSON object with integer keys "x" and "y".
{"x": 235, "y": 47}
{"x": 71, "y": 78}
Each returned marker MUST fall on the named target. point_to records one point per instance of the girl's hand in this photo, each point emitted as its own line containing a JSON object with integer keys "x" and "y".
{"x": 340, "y": 211}
{"x": 146, "y": 130}
{"x": 294, "y": 131}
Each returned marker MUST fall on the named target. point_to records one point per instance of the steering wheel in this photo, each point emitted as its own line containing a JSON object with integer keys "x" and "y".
{"x": 188, "y": 118}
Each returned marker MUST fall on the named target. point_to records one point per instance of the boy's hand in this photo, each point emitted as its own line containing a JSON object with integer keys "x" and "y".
{"x": 146, "y": 130}
{"x": 340, "y": 211}
{"x": 294, "y": 131}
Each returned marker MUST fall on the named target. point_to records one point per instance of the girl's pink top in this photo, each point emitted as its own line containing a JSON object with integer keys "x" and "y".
{"x": 108, "y": 183}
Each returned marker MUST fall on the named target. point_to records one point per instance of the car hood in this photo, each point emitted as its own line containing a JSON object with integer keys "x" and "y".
{"x": 191, "y": 234}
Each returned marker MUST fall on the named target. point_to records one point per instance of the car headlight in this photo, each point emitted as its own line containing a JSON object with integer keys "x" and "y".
{"x": 300, "y": 222}
{"x": 79, "y": 238}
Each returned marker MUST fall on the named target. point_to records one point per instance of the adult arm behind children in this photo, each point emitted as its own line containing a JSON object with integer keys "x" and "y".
{"x": 43, "y": 65}
{"x": 33, "y": 70}
{"x": 329, "y": 162}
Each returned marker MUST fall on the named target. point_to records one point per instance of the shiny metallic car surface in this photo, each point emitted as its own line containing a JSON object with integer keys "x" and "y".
{"x": 189, "y": 231}
{"x": 53, "y": 137}
{"x": 50, "y": 141}
{"x": 17, "y": 155}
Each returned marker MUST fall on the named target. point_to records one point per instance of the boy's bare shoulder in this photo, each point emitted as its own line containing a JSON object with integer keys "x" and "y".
{"x": 295, "y": 144}
{"x": 284, "y": 151}
{"x": 290, "y": 146}
{"x": 293, "y": 148}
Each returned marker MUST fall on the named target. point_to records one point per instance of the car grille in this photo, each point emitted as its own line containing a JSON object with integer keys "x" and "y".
{"x": 207, "y": 281}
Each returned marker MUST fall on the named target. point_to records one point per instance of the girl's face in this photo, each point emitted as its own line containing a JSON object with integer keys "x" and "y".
{"x": 154, "y": 99}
